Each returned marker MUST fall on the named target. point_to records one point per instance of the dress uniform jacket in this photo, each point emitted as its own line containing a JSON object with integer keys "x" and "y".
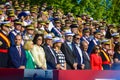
{"x": 106, "y": 61}
{"x": 91, "y": 45}
{"x": 12, "y": 35}
{"x": 5, "y": 44}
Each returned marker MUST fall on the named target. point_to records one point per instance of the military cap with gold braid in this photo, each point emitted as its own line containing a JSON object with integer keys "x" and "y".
{"x": 41, "y": 22}
{"x": 30, "y": 27}
{"x": 11, "y": 15}
{"x": 101, "y": 27}
{"x": 7, "y": 24}
{"x": 18, "y": 22}
{"x": 18, "y": 9}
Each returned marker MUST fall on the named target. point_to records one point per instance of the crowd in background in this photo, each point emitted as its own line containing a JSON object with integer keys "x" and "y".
{"x": 40, "y": 37}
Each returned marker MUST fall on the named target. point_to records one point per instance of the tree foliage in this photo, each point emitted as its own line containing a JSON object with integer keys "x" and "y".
{"x": 108, "y": 10}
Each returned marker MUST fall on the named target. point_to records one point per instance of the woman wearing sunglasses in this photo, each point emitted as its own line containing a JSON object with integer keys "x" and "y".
{"x": 95, "y": 59}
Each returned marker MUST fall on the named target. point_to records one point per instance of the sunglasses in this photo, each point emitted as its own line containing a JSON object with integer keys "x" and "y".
{"x": 77, "y": 38}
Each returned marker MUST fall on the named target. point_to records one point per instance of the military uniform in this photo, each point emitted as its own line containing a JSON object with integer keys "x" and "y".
{"x": 5, "y": 44}
{"x": 27, "y": 36}
{"x": 85, "y": 38}
{"x": 106, "y": 61}
{"x": 13, "y": 33}
{"x": 116, "y": 40}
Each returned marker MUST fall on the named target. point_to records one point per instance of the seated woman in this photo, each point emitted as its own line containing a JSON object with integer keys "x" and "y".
{"x": 116, "y": 58}
{"x": 30, "y": 60}
{"x": 57, "y": 42}
{"x": 38, "y": 52}
{"x": 95, "y": 59}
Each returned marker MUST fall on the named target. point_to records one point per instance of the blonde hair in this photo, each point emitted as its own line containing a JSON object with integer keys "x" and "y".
{"x": 27, "y": 45}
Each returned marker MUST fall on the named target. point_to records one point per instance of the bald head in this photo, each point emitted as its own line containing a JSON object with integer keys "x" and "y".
{"x": 84, "y": 45}
{"x": 18, "y": 40}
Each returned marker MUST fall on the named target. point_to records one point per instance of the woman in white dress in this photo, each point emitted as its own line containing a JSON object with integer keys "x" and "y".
{"x": 38, "y": 52}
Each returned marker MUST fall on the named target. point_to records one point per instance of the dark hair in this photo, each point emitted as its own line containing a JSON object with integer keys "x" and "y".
{"x": 75, "y": 36}
{"x": 93, "y": 51}
{"x": 36, "y": 37}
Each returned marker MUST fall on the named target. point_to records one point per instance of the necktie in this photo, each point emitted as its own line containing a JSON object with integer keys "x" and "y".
{"x": 19, "y": 50}
{"x": 87, "y": 55}
{"x": 70, "y": 46}
{"x": 53, "y": 54}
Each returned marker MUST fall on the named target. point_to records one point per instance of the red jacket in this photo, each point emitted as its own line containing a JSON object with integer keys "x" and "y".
{"x": 96, "y": 62}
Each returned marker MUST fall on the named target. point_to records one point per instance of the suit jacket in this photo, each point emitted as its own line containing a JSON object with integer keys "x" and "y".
{"x": 78, "y": 56}
{"x": 50, "y": 58}
{"x": 15, "y": 59}
{"x": 86, "y": 61}
{"x": 70, "y": 55}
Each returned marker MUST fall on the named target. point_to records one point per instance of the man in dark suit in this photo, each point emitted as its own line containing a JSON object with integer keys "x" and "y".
{"x": 78, "y": 51}
{"x": 4, "y": 44}
{"x": 17, "y": 54}
{"x": 86, "y": 58}
{"x": 68, "y": 50}
{"x": 50, "y": 53}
